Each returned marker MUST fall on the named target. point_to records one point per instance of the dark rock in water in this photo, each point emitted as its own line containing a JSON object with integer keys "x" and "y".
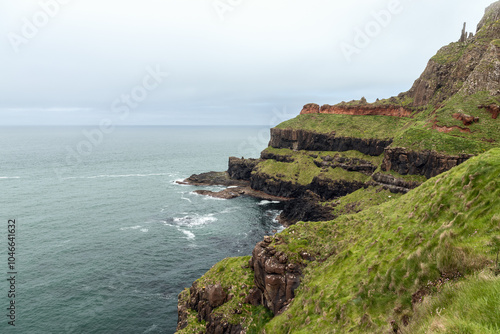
{"x": 313, "y": 141}
{"x": 231, "y": 193}
{"x": 213, "y": 179}
{"x": 224, "y": 194}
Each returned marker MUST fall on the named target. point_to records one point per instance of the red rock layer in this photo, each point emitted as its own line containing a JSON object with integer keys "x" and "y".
{"x": 356, "y": 110}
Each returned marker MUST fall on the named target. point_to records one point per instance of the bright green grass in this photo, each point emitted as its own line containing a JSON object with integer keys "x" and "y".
{"x": 423, "y": 138}
{"x": 234, "y": 276}
{"x": 302, "y": 171}
{"x": 366, "y": 127}
{"x": 470, "y": 306}
{"x": 375, "y": 160}
{"x": 375, "y": 260}
{"x": 361, "y": 199}
{"x": 450, "y": 53}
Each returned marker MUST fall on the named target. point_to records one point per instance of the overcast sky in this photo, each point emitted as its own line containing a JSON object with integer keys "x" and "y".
{"x": 228, "y": 61}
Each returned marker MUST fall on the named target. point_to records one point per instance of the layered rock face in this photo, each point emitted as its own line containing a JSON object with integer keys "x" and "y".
{"x": 313, "y": 141}
{"x": 426, "y": 163}
{"x": 275, "y": 277}
{"x": 305, "y": 208}
{"x": 241, "y": 169}
{"x": 203, "y": 300}
{"x": 325, "y": 188}
{"x": 393, "y": 183}
{"x": 359, "y": 110}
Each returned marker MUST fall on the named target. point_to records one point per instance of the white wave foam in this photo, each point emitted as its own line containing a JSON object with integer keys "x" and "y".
{"x": 266, "y": 202}
{"x": 210, "y": 198}
{"x": 196, "y": 220}
{"x": 189, "y": 235}
{"x": 185, "y": 198}
{"x": 144, "y": 230}
{"x": 131, "y": 228}
{"x": 9, "y": 177}
{"x": 230, "y": 210}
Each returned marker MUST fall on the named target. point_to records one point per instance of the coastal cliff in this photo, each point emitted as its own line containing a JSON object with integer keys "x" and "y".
{"x": 390, "y": 208}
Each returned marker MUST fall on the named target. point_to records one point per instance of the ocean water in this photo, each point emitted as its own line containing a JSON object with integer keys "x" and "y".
{"x": 105, "y": 238}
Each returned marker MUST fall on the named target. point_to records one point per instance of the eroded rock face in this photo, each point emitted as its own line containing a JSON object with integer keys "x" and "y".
{"x": 493, "y": 109}
{"x": 394, "y": 184}
{"x": 311, "y": 108}
{"x": 204, "y": 300}
{"x": 241, "y": 169}
{"x": 212, "y": 179}
{"x": 348, "y": 164}
{"x": 325, "y": 188}
{"x": 312, "y": 141}
{"x": 467, "y": 120}
{"x": 305, "y": 208}
{"x": 428, "y": 163}
{"x": 360, "y": 110}
{"x": 275, "y": 278}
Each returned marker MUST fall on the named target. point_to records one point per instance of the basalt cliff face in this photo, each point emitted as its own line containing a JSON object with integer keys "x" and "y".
{"x": 297, "y": 140}
{"x": 338, "y": 167}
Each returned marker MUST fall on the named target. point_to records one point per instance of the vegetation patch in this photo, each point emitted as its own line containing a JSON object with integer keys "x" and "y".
{"x": 360, "y": 200}
{"x": 450, "y": 53}
{"x": 365, "y": 127}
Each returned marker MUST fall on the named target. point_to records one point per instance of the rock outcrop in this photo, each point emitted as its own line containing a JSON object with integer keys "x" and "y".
{"x": 313, "y": 141}
{"x": 394, "y": 184}
{"x": 276, "y": 278}
{"x": 468, "y": 66}
{"x": 204, "y": 300}
{"x": 241, "y": 169}
{"x": 428, "y": 163}
{"x": 348, "y": 164}
{"x": 493, "y": 109}
{"x": 357, "y": 110}
{"x": 305, "y": 208}
{"x": 324, "y": 187}
{"x": 213, "y": 179}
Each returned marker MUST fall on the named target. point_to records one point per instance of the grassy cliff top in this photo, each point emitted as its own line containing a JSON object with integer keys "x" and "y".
{"x": 366, "y": 127}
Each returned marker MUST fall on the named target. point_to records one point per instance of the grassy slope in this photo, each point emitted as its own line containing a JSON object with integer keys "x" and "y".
{"x": 386, "y": 253}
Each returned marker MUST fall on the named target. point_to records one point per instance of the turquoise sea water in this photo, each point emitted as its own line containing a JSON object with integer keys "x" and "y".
{"x": 105, "y": 238}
